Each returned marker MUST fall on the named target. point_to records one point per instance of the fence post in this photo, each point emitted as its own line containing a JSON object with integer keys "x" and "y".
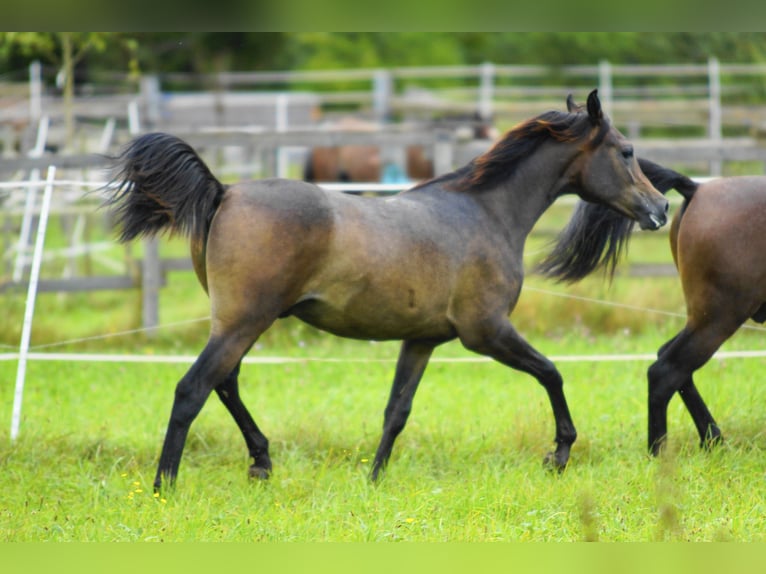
{"x": 134, "y": 119}
{"x": 28, "y": 217}
{"x": 150, "y": 285}
{"x": 714, "y": 123}
{"x": 605, "y": 85}
{"x": 29, "y": 310}
{"x": 486, "y": 90}
{"x": 35, "y": 91}
{"x": 282, "y": 111}
{"x": 443, "y": 150}
{"x": 382, "y": 87}
{"x": 107, "y": 135}
{"x": 151, "y": 95}
{"x": 9, "y": 140}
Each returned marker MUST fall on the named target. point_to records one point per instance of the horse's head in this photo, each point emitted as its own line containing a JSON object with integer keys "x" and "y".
{"x": 607, "y": 172}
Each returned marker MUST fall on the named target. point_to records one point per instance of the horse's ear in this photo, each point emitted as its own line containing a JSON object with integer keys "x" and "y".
{"x": 594, "y": 106}
{"x": 571, "y": 105}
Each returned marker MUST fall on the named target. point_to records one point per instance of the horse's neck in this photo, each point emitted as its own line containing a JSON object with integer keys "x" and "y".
{"x": 533, "y": 186}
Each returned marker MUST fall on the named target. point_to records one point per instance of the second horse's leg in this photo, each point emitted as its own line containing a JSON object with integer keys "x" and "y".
{"x": 707, "y": 428}
{"x": 673, "y": 370}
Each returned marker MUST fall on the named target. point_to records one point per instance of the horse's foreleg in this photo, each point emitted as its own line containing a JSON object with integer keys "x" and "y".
{"x": 257, "y": 443}
{"x": 505, "y": 345}
{"x": 413, "y": 359}
{"x": 217, "y": 360}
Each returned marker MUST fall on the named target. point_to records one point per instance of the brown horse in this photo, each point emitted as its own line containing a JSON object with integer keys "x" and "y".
{"x": 717, "y": 245}
{"x": 363, "y": 163}
{"x": 440, "y": 261}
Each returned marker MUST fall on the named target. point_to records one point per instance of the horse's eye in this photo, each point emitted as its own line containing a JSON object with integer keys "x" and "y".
{"x": 627, "y": 152}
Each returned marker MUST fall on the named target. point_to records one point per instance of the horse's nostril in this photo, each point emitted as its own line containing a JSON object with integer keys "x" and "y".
{"x": 667, "y": 206}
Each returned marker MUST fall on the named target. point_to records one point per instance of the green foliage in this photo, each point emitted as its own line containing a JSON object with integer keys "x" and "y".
{"x": 49, "y": 46}
{"x": 208, "y": 51}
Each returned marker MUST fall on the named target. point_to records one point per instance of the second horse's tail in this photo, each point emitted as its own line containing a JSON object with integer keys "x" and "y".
{"x": 161, "y": 184}
{"x": 664, "y": 178}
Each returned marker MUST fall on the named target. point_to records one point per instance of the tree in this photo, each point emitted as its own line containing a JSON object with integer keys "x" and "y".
{"x": 64, "y": 50}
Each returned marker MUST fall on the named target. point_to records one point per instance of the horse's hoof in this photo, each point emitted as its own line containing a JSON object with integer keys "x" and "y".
{"x": 656, "y": 447}
{"x": 554, "y": 462}
{"x": 259, "y": 472}
{"x": 712, "y": 441}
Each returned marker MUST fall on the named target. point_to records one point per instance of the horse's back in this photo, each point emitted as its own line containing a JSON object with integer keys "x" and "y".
{"x": 726, "y": 212}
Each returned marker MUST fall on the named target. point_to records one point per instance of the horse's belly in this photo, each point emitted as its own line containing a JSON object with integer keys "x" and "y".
{"x": 372, "y": 320}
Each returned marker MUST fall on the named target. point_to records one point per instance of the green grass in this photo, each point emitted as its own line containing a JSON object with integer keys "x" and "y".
{"x": 467, "y": 467}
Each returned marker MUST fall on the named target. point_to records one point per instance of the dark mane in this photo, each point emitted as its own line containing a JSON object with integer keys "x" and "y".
{"x": 496, "y": 165}
{"x": 595, "y": 237}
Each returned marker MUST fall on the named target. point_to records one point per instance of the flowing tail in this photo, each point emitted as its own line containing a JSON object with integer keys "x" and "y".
{"x": 597, "y": 236}
{"x": 161, "y": 184}
{"x": 664, "y": 178}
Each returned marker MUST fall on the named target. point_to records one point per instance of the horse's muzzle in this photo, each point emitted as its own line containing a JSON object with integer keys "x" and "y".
{"x": 653, "y": 220}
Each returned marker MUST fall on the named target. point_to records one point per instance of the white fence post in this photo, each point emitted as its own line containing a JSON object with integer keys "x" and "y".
{"x": 382, "y": 88}
{"x": 26, "y": 330}
{"x": 107, "y": 135}
{"x": 486, "y": 90}
{"x": 26, "y": 222}
{"x": 151, "y": 279}
{"x": 151, "y": 94}
{"x": 715, "y": 119}
{"x": 35, "y": 91}
{"x": 605, "y": 85}
{"x": 282, "y": 118}
{"x": 443, "y": 153}
{"x": 134, "y": 119}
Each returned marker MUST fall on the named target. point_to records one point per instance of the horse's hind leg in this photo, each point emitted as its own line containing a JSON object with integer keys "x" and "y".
{"x": 412, "y": 362}
{"x": 218, "y": 360}
{"x": 707, "y": 428}
{"x": 672, "y": 372}
{"x": 505, "y": 345}
{"x": 257, "y": 443}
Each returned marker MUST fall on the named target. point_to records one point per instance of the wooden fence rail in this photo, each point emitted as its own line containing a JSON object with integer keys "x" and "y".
{"x": 711, "y": 95}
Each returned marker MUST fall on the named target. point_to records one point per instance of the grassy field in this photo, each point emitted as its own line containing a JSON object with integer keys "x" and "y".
{"x": 467, "y": 467}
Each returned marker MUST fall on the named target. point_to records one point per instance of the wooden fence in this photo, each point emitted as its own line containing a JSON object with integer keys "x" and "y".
{"x": 713, "y": 99}
{"x": 638, "y": 98}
